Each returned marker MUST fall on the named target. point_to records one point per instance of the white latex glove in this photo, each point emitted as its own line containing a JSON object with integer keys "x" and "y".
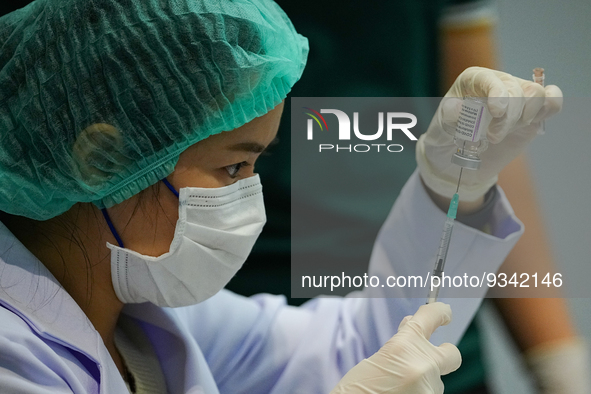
{"x": 518, "y": 108}
{"x": 561, "y": 367}
{"x": 408, "y": 363}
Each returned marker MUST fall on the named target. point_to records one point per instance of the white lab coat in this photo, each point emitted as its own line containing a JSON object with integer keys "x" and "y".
{"x": 232, "y": 344}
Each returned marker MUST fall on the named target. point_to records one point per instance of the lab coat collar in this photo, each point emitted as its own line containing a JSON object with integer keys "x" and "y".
{"x": 194, "y": 377}
{"x": 28, "y": 289}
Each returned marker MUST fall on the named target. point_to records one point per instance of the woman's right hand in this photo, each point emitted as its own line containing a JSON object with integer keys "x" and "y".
{"x": 408, "y": 363}
{"x": 518, "y": 108}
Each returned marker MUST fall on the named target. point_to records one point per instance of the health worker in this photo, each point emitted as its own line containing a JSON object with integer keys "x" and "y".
{"x": 129, "y": 131}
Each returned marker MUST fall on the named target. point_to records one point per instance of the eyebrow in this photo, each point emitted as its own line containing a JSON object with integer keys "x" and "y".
{"x": 251, "y": 146}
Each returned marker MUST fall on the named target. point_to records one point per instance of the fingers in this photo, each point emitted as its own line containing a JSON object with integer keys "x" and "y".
{"x": 538, "y": 103}
{"x": 552, "y": 103}
{"x": 535, "y": 95}
{"x": 482, "y": 82}
{"x": 429, "y": 317}
{"x": 404, "y": 321}
{"x": 513, "y": 102}
{"x": 447, "y": 357}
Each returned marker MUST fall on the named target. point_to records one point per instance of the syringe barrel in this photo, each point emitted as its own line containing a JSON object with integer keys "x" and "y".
{"x": 441, "y": 257}
{"x": 433, "y": 294}
{"x": 444, "y": 242}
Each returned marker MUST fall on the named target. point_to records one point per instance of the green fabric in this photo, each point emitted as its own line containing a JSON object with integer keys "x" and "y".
{"x": 472, "y": 372}
{"x": 99, "y": 98}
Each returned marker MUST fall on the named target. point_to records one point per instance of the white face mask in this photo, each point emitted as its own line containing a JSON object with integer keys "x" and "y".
{"x": 216, "y": 231}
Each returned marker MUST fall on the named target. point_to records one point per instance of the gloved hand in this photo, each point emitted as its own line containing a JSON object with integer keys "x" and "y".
{"x": 561, "y": 367}
{"x": 518, "y": 108}
{"x": 408, "y": 363}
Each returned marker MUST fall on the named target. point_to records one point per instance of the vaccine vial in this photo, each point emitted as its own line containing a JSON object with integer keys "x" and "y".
{"x": 538, "y": 76}
{"x": 470, "y": 133}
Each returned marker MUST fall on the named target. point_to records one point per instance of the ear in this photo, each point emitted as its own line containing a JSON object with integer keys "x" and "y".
{"x": 98, "y": 153}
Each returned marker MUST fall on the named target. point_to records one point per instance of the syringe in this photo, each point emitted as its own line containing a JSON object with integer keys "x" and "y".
{"x": 467, "y": 158}
{"x": 444, "y": 244}
{"x": 470, "y": 139}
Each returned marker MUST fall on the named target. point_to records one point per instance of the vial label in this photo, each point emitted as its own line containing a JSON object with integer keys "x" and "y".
{"x": 473, "y": 120}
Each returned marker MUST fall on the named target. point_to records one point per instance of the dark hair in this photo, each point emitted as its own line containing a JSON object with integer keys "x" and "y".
{"x": 28, "y": 230}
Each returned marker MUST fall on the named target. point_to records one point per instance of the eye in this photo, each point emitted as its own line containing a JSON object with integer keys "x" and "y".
{"x": 234, "y": 169}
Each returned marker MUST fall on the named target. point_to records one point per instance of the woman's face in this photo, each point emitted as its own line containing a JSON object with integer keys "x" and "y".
{"x": 146, "y": 222}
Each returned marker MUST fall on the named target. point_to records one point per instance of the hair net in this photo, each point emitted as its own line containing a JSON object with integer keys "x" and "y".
{"x": 98, "y": 98}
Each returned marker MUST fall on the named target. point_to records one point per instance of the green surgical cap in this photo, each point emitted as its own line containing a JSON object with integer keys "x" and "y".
{"x": 98, "y": 98}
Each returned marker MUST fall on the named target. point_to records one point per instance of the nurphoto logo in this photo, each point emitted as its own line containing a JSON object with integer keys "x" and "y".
{"x": 393, "y": 124}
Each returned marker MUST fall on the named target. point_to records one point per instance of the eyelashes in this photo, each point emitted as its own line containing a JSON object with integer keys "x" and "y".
{"x": 234, "y": 169}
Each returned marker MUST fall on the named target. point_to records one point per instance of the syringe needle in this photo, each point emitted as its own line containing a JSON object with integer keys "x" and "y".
{"x": 459, "y": 179}
{"x": 443, "y": 247}
{"x": 444, "y": 243}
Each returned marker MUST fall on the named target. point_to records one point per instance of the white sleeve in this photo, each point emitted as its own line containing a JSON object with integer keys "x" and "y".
{"x": 406, "y": 246}
{"x": 31, "y": 364}
{"x": 259, "y": 344}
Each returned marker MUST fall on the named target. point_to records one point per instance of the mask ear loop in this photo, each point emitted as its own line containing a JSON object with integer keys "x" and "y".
{"x": 170, "y": 187}
{"x": 110, "y": 223}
